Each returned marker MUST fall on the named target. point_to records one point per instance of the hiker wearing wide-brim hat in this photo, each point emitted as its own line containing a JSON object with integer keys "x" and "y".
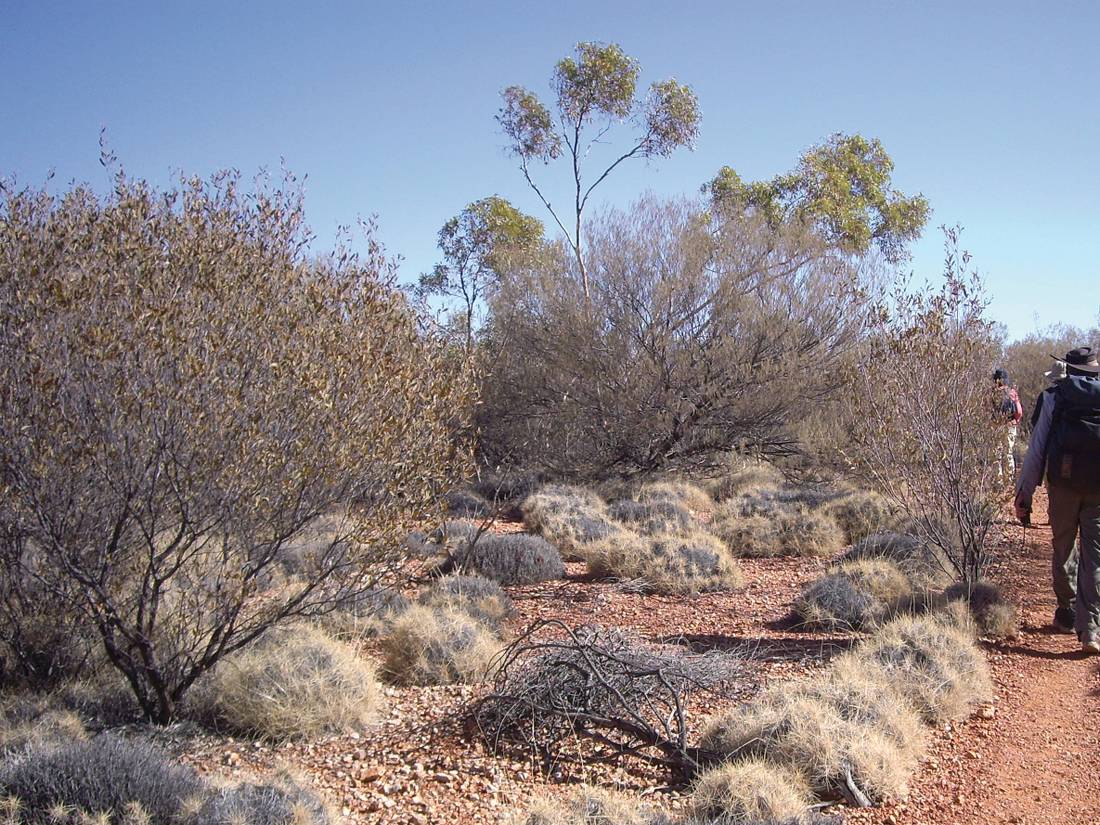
{"x": 1065, "y": 446}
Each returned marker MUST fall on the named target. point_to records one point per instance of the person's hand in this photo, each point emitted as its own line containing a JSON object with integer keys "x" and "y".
{"x": 1023, "y": 510}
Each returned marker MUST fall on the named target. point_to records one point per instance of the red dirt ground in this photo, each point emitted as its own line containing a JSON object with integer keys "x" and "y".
{"x": 1035, "y": 759}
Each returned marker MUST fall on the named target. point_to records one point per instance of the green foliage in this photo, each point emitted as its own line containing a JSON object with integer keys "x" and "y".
{"x": 478, "y": 244}
{"x": 843, "y": 187}
{"x": 595, "y": 88}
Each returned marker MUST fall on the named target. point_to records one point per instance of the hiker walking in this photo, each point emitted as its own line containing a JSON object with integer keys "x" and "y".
{"x": 1006, "y": 417}
{"x": 1065, "y": 445}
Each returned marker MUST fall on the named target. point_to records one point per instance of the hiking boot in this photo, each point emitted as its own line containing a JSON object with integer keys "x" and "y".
{"x": 1064, "y": 619}
{"x": 1090, "y": 645}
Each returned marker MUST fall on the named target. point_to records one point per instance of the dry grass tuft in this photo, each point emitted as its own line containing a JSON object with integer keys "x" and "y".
{"x": 588, "y": 806}
{"x": 994, "y": 618}
{"x": 652, "y": 517}
{"x": 855, "y": 595}
{"x": 926, "y": 565}
{"x": 683, "y": 493}
{"x": 695, "y": 563}
{"x": 295, "y": 683}
{"x": 786, "y": 529}
{"x": 861, "y": 513}
{"x": 431, "y": 646}
{"x": 744, "y": 475}
{"x": 935, "y": 664}
{"x": 750, "y": 792}
{"x": 511, "y": 558}
{"x": 48, "y": 727}
{"x": 570, "y": 518}
{"x": 481, "y": 598}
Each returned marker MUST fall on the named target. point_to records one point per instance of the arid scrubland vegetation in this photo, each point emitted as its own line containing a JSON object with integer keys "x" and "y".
{"x": 254, "y": 493}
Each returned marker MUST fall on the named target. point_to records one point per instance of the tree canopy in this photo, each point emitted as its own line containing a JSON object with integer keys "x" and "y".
{"x": 843, "y": 187}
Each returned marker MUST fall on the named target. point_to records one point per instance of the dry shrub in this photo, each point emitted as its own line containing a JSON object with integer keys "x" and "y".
{"x": 50, "y": 726}
{"x": 856, "y": 594}
{"x": 570, "y": 518}
{"x": 588, "y": 806}
{"x": 924, "y": 563}
{"x": 105, "y": 775}
{"x": 994, "y": 617}
{"x": 295, "y": 684}
{"x": 861, "y": 513}
{"x": 683, "y": 493}
{"x": 483, "y": 599}
{"x": 511, "y": 558}
{"x": 622, "y": 697}
{"x": 750, "y": 792}
{"x": 280, "y": 800}
{"x": 935, "y": 664}
{"x": 431, "y": 646}
{"x": 695, "y": 563}
{"x": 652, "y": 517}
{"x": 787, "y": 529}
{"x": 743, "y": 476}
{"x": 812, "y": 735}
{"x": 365, "y": 615}
{"x": 468, "y": 504}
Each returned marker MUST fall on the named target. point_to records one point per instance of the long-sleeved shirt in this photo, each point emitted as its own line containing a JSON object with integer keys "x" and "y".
{"x": 1036, "y": 459}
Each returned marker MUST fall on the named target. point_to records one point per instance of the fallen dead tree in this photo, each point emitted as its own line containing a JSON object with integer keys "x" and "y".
{"x": 599, "y": 694}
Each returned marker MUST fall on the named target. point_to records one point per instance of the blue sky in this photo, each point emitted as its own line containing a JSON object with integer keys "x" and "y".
{"x": 992, "y": 110}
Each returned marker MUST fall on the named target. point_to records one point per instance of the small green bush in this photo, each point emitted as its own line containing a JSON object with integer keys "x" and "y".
{"x": 431, "y": 646}
{"x": 483, "y": 599}
{"x": 855, "y": 595}
{"x": 667, "y": 563}
{"x": 295, "y": 683}
{"x": 511, "y": 558}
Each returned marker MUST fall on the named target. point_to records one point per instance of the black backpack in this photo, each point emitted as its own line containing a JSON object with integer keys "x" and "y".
{"x": 1073, "y": 452}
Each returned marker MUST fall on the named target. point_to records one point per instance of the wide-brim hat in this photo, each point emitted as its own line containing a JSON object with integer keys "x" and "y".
{"x": 1082, "y": 359}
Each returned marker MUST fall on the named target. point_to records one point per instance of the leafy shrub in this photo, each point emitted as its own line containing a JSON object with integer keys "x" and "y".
{"x": 570, "y": 518}
{"x": 652, "y": 517}
{"x": 278, "y": 801}
{"x": 322, "y": 347}
{"x": 933, "y": 663}
{"x": 666, "y": 563}
{"x": 861, "y": 513}
{"x": 749, "y": 792}
{"x": 431, "y": 646}
{"x": 856, "y": 594}
{"x": 481, "y": 598}
{"x": 296, "y": 683}
{"x": 925, "y": 564}
{"x": 779, "y": 529}
{"x": 511, "y": 558}
{"x": 106, "y": 774}
{"x": 995, "y": 618}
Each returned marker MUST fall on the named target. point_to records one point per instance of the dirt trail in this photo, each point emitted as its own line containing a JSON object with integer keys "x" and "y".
{"x": 1037, "y": 761}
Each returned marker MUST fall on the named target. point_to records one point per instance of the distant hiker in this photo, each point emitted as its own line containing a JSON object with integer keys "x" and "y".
{"x": 1006, "y": 417}
{"x": 1065, "y": 444}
